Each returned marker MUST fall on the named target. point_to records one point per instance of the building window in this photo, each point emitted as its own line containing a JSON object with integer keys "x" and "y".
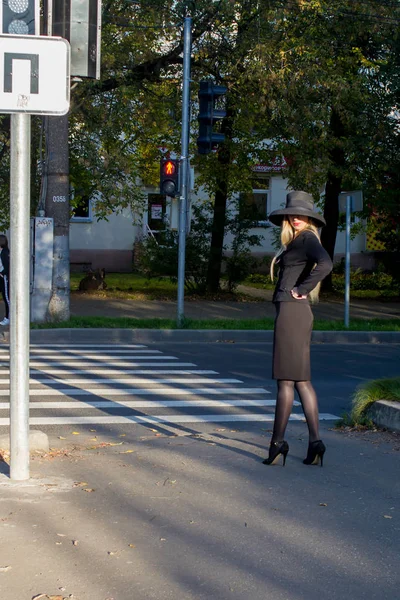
{"x": 83, "y": 211}
{"x": 256, "y": 204}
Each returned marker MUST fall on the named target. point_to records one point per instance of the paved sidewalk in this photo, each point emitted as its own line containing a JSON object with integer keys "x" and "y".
{"x": 86, "y": 305}
{"x": 150, "y": 514}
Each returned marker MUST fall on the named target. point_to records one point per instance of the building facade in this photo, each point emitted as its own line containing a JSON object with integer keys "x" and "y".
{"x": 110, "y": 244}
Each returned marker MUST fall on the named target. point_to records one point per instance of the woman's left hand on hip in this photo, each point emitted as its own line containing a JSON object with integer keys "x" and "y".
{"x": 296, "y": 294}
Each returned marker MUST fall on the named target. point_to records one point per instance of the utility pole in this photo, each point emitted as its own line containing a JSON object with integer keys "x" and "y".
{"x": 20, "y": 163}
{"x": 57, "y": 207}
{"x": 187, "y": 41}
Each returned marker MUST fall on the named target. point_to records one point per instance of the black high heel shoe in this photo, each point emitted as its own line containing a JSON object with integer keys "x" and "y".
{"x": 275, "y": 449}
{"x": 315, "y": 453}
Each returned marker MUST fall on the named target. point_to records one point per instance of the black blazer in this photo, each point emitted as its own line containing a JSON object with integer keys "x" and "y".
{"x": 296, "y": 267}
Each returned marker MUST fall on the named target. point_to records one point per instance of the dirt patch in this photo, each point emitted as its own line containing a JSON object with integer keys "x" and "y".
{"x": 374, "y": 436}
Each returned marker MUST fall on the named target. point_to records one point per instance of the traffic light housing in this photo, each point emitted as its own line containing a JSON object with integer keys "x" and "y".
{"x": 79, "y": 22}
{"x": 19, "y": 17}
{"x": 208, "y": 116}
{"x": 169, "y": 177}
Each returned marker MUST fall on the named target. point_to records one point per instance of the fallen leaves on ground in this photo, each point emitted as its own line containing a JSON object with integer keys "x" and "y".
{"x": 47, "y": 597}
{"x": 104, "y": 445}
{"x": 5, "y": 569}
{"x": 57, "y": 453}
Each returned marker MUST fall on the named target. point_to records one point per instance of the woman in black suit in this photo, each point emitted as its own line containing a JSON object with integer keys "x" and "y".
{"x": 303, "y": 264}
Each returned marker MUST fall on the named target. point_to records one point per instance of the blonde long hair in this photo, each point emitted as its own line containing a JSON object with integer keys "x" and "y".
{"x": 287, "y": 236}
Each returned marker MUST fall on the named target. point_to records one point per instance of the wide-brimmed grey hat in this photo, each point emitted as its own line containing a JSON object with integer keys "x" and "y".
{"x": 297, "y": 203}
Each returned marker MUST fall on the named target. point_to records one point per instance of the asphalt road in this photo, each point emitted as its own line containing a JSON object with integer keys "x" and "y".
{"x": 185, "y": 379}
{"x": 337, "y": 369}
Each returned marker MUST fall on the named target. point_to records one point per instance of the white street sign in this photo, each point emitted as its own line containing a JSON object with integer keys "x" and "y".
{"x": 356, "y": 201}
{"x": 34, "y": 75}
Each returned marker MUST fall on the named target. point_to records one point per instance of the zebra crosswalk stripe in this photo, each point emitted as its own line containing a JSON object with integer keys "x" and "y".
{"x": 140, "y": 391}
{"x": 125, "y": 367}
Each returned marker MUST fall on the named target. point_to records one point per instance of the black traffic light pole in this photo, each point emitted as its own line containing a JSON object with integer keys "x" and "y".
{"x": 187, "y": 43}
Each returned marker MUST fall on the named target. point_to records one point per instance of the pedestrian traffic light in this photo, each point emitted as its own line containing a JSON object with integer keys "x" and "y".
{"x": 19, "y": 17}
{"x": 79, "y": 22}
{"x": 208, "y": 116}
{"x": 169, "y": 177}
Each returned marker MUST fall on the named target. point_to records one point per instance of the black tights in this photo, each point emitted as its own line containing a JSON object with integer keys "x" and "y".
{"x": 284, "y": 404}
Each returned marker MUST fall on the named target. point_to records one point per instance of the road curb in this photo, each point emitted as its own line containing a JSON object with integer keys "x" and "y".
{"x": 385, "y": 413}
{"x": 148, "y": 336}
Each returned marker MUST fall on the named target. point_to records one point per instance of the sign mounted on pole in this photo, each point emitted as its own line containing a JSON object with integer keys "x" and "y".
{"x": 356, "y": 201}
{"x": 34, "y": 75}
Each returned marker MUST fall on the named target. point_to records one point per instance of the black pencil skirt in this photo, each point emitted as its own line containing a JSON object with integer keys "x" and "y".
{"x": 292, "y": 338}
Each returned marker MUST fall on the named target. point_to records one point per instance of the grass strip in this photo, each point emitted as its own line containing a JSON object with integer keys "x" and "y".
{"x": 133, "y": 286}
{"x": 370, "y": 392}
{"x": 242, "y": 324}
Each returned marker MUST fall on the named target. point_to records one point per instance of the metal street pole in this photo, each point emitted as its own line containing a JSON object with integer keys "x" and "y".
{"x": 187, "y": 43}
{"x": 20, "y": 163}
{"x": 347, "y": 263}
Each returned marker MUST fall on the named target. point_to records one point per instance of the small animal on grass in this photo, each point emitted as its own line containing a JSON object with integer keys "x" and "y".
{"x": 94, "y": 280}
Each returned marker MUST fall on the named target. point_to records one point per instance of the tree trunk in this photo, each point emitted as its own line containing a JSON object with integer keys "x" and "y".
{"x": 57, "y": 207}
{"x": 220, "y": 203}
{"x": 217, "y": 239}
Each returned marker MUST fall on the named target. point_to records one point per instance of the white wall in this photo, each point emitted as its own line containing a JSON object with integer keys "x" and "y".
{"x": 118, "y": 233}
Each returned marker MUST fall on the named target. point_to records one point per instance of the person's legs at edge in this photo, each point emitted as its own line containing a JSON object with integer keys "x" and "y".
{"x": 5, "y": 295}
{"x": 4, "y": 299}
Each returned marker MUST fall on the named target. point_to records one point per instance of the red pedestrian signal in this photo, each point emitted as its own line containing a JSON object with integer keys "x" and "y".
{"x": 169, "y": 177}
{"x": 169, "y": 167}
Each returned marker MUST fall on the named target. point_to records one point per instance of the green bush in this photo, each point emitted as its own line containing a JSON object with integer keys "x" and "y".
{"x": 364, "y": 281}
{"x": 157, "y": 258}
{"x": 259, "y": 278}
